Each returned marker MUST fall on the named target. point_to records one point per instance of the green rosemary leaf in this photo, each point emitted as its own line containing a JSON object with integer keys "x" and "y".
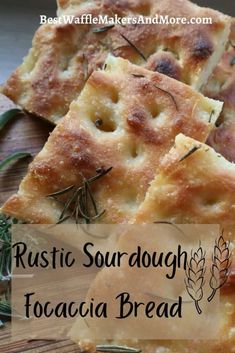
{"x": 134, "y": 47}
{"x": 7, "y": 116}
{"x": 189, "y": 153}
{"x": 5, "y": 308}
{"x": 116, "y": 349}
{"x": 14, "y": 157}
{"x": 102, "y": 29}
{"x": 7, "y": 312}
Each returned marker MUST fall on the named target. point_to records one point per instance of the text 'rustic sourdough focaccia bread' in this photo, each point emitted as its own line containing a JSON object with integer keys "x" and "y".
{"x": 63, "y": 56}
{"x": 221, "y": 86}
{"x": 194, "y": 185}
{"x": 126, "y": 118}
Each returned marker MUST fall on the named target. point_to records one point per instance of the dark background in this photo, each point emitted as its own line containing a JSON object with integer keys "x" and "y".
{"x": 20, "y": 18}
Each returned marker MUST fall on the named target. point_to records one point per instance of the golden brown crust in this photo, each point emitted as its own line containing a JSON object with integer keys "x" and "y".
{"x": 222, "y": 86}
{"x": 54, "y": 72}
{"x": 195, "y": 188}
{"x": 142, "y": 112}
{"x": 198, "y": 189}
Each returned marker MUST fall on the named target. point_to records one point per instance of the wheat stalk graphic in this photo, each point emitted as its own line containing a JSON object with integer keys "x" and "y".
{"x": 194, "y": 280}
{"x": 221, "y": 259}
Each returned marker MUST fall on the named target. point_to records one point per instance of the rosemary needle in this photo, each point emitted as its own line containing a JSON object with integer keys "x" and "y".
{"x": 160, "y": 89}
{"x": 189, "y": 153}
{"x": 102, "y": 29}
{"x": 169, "y": 94}
{"x": 138, "y": 76}
{"x": 134, "y": 47}
{"x": 61, "y": 192}
{"x": 7, "y": 116}
{"x": 211, "y": 114}
{"x": 116, "y": 349}
{"x": 14, "y": 157}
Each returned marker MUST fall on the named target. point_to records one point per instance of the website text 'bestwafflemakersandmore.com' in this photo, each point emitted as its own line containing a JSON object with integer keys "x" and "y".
{"x": 105, "y": 20}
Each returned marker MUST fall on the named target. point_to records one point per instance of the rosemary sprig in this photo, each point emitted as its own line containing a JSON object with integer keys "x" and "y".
{"x": 80, "y": 201}
{"x": 5, "y": 266}
{"x": 7, "y": 116}
{"x": 102, "y": 29}
{"x": 116, "y": 349}
{"x": 189, "y": 153}
{"x": 5, "y": 246}
{"x": 169, "y": 94}
{"x": 13, "y": 157}
{"x": 134, "y": 47}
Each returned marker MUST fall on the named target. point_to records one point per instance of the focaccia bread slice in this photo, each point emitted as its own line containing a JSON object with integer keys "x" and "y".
{"x": 224, "y": 343}
{"x": 194, "y": 185}
{"x": 126, "y": 118}
{"x": 64, "y": 55}
{"x": 221, "y": 86}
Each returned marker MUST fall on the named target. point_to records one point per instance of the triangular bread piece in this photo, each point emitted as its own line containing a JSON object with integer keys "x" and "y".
{"x": 194, "y": 184}
{"x": 126, "y": 118}
{"x": 221, "y": 86}
{"x": 64, "y": 55}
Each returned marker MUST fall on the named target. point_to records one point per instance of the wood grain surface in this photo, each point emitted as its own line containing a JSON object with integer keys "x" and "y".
{"x": 23, "y": 133}
{"x": 7, "y": 346}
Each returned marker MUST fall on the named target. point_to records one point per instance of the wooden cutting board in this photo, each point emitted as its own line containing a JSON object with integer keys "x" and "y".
{"x": 7, "y": 346}
{"x": 24, "y": 133}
